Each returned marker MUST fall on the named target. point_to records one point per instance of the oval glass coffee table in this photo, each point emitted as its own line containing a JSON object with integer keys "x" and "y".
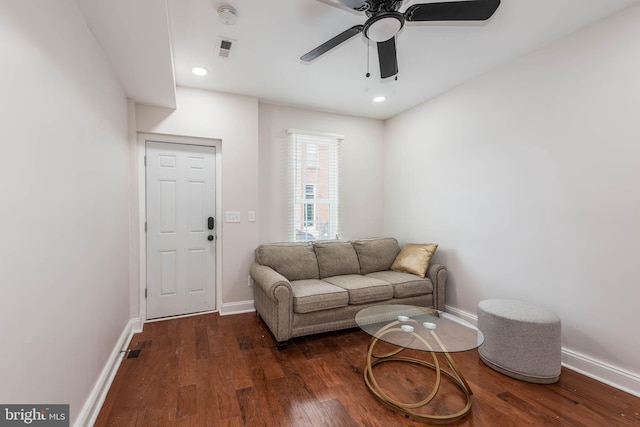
{"x": 424, "y": 329}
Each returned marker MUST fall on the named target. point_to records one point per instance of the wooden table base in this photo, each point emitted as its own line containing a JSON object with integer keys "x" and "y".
{"x": 409, "y": 408}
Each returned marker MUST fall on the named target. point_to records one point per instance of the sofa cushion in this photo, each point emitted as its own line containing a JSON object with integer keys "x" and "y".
{"x": 363, "y": 289}
{"x": 295, "y": 261}
{"x": 336, "y": 258}
{"x": 376, "y": 254}
{"x": 314, "y": 295}
{"x": 404, "y": 284}
{"x": 414, "y": 258}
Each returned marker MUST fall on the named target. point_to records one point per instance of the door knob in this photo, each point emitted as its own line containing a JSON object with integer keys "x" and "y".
{"x": 210, "y": 238}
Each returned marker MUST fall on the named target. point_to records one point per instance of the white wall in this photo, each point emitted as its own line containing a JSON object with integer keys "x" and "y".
{"x": 251, "y": 134}
{"x": 64, "y": 259}
{"x": 234, "y": 120}
{"x": 529, "y": 179}
{"x": 361, "y": 179}
{"x": 134, "y": 218}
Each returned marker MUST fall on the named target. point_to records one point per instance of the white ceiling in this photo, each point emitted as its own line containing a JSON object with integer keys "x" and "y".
{"x": 135, "y": 37}
{"x": 152, "y": 44}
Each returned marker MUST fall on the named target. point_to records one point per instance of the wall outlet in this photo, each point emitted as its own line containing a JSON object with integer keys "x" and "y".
{"x": 251, "y": 216}
{"x": 233, "y": 217}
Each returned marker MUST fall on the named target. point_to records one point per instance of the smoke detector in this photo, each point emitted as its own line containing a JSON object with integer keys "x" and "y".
{"x": 227, "y": 15}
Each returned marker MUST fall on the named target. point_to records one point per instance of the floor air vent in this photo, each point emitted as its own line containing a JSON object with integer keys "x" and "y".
{"x": 133, "y": 354}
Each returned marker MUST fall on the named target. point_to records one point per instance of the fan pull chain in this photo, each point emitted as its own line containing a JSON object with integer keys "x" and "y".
{"x": 368, "y": 49}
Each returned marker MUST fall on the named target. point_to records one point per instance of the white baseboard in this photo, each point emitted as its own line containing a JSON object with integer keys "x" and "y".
{"x": 136, "y": 325}
{"x": 603, "y": 372}
{"x": 471, "y": 318}
{"x": 236, "y": 307}
{"x": 93, "y": 404}
{"x": 599, "y": 371}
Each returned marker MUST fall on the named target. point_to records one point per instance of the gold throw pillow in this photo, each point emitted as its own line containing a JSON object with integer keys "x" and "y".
{"x": 414, "y": 258}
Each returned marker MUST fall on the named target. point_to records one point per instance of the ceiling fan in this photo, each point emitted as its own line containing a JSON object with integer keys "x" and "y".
{"x": 385, "y": 22}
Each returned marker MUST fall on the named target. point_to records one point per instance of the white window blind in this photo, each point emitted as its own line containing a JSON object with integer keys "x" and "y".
{"x": 313, "y": 185}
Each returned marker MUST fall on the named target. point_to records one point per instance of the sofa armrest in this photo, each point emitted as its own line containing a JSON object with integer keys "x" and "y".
{"x": 268, "y": 279}
{"x": 438, "y": 275}
{"x": 273, "y": 299}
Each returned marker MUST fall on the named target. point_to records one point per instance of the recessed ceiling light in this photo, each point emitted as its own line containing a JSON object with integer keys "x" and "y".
{"x": 199, "y": 71}
{"x": 379, "y": 98}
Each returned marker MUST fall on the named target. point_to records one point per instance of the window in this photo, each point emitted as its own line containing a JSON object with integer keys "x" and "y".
{"x": 309, "y": 208}
{"x": 314, "y": 209}
{"x": 311, "y": 155}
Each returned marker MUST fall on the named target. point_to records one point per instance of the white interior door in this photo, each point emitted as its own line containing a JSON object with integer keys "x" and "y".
{"x": 180, "y": 181}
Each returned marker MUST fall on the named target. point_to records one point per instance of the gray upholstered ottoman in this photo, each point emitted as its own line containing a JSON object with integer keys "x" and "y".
{"x": 521, "y": 340}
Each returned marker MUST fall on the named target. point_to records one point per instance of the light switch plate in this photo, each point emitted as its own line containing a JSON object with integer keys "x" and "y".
{"x": 233, "y": 217}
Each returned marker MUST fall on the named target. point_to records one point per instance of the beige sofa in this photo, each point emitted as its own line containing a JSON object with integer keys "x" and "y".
{"x": 307, "y": 288}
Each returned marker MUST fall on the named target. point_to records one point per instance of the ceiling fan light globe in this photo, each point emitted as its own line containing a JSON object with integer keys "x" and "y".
{"x": 382, "y": 27}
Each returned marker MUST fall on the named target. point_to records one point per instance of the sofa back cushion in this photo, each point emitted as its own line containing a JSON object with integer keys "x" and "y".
{"x": 376, "y": 254}
{"x": 336, "y": 258}
{"x": 295, "y": 261}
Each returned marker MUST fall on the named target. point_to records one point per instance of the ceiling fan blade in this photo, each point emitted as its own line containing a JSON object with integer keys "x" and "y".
{"x": 471, "y": 10}
{"x": 387, "y": 57}
{"x": 330, "y": 44}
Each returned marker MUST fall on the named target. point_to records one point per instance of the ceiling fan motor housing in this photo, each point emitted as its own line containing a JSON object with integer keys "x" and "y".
{"x": 374, "y": 7}
{"x": 383, "y": 26}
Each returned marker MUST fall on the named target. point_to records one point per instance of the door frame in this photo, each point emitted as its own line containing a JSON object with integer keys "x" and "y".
{"x": 142, "y": 209}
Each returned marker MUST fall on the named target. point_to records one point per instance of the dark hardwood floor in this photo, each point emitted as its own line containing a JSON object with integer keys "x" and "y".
{"x": 218, "y": 371}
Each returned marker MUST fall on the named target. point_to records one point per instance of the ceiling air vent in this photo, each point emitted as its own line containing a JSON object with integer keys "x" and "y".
{"x": 225, "y": 46}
